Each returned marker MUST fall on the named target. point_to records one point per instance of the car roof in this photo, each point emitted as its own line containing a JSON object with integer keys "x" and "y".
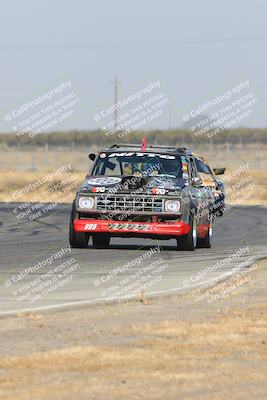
{"x": 149, "y": 149}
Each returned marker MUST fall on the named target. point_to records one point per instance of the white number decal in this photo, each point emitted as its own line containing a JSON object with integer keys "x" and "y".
{"x": 100, "y": 189}
{"x": 90, "y": 227}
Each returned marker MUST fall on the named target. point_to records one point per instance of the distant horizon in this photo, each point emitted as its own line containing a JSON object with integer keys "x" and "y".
{"x": 197, "y": 52}
{"x": 139, "y": 131}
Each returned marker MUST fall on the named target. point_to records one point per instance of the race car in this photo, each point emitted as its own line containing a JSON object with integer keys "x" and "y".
{"x": 142, "y": 191}
{"x": 209, "y": 179}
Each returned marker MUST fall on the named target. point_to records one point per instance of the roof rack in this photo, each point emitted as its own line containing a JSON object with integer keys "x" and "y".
{"x": 167, "y": 147}
{"x": 152, "y": 146}
{"x": 125, "y": 145}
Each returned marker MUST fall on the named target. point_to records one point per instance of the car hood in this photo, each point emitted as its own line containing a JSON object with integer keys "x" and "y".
{"x": 166, "y": 182}
{"x": 122, "y": 183}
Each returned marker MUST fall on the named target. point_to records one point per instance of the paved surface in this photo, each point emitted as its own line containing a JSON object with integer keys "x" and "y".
{"x": 92, "y": 275}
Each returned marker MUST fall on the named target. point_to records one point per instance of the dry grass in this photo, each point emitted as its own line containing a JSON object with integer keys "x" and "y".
{"x": 38, "y": 159}
{"x": 170, "y": 349}
{"x": 178, "y": 358}
{"x": 61, "y": 189}
{"x": 247, "y": 188}
{"x": 252, "y": 191}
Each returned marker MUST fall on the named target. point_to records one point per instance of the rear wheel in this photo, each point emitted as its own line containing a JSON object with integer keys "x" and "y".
{"x": 207, "y": 240}
{"x": 189, "y": 241}
{"x": 101, "y": 240}
{"x": 78, "y": 240}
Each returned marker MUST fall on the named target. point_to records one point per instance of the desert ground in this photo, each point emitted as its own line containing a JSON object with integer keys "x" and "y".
{"x": 142, "y": 349}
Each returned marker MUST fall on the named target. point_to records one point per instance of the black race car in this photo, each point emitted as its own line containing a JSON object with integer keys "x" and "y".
{"x": 142, "y": 191}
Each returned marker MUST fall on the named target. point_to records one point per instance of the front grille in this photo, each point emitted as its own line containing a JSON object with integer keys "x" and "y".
{"x": 129, "y": 203}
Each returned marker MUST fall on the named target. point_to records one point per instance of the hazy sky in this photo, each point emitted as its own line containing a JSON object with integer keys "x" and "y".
{"x": 196, "y": 49}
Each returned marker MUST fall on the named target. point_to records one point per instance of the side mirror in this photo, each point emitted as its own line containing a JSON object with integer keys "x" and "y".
{"x": 92, "y": 156}
{"x": 219, "y": 171}
{"x": 196, "y": 181}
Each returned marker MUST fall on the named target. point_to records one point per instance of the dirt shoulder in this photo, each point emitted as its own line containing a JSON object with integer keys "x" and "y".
{"x": 173, "y": 348}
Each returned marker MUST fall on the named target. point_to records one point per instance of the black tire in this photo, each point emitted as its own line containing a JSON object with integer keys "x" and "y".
{"x": 101, "y": 240}
{"x": 205, "y": 243}
{"x": 188, "y": 242}
{"x": 78, "y": 240}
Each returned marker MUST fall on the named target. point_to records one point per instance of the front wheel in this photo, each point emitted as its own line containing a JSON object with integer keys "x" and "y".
{"x": 101, "y": 240}
{"x": 188, "y": 242}
{"x": 78, "y": 240}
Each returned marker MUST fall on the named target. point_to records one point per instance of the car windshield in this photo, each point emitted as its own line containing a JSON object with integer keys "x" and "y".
{"x": 139, "y": 164}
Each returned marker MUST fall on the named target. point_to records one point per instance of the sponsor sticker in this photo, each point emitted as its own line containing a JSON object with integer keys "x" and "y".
{"x": 126, "y": 227}
{"x": 99, "y": 189}
{"x": 104, "y": 181}
{"x": 150, "y": 155}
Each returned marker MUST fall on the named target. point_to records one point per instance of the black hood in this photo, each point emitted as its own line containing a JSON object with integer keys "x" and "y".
{"x": 122, "y": 183}
{"x": 166, "y": 182}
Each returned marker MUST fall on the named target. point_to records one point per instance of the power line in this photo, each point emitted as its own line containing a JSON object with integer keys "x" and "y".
{"x": 99, "y": 45}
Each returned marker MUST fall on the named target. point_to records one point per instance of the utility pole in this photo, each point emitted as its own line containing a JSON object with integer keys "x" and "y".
{"x": 116, "y": 82}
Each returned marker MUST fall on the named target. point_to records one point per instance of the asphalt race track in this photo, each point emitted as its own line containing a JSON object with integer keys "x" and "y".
{"x": 92, "y": 275}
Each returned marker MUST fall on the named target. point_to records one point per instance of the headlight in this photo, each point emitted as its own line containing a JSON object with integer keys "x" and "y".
{"x": 172, "y": 205}
{"x": 86, "y": 202}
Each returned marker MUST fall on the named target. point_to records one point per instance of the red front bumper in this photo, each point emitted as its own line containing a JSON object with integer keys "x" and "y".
{"x": 142, "y": 228}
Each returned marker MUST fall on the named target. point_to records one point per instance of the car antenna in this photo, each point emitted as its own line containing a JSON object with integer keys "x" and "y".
{"x": 144, "y": 144}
